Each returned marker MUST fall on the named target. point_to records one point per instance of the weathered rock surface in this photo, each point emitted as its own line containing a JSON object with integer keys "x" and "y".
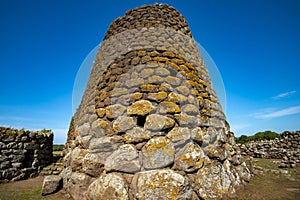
{"x": 51, "y": 184}
{"x": 141, "y": 107}
{"x": 125, "y": 159}
{"x": 157, "y": 153}
{"x": 157, "y": 122}
{"x": 108, "y": 187}
{"x": 161, "y": 184}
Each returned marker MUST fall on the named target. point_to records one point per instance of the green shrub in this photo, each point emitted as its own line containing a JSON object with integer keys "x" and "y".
{"x": 58, "y": 147}
{"x": 266, "y": 135}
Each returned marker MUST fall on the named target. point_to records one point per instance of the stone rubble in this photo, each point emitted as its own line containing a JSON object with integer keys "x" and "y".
{"x": 286, "y": 148}
{"x": 23, "y": 154}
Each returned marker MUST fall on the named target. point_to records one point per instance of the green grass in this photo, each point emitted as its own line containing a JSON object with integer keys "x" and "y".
{"x": 267, "y": 163}
{"x": 57, "y": 147}
{"x": 34, "y": 194}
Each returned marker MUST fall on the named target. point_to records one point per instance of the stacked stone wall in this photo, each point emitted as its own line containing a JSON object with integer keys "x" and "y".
{"x": 150, "y": 125}
{"x": 23, "y": 153}
{"x": 287, "y": 148}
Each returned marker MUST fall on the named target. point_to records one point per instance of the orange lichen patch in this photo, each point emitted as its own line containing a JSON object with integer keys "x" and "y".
{"x": 100, "y": 112}
{"x": 136, "y": 96}
{"x": 176, "y": 67}
{"x": 203, "y": 82}
{"x": 160, "y": 59}
{"x": 142, "y": 53}
{"x": 165, "y": 87}
{"x": 168, "y": 54}
{"x": 157, "y": 143}
{"x": 200, "y": 98}
{"x": 153, "y": 53}
{"x": 192, "y": 158}
{"x": 195, "y": 92}
{"x": 176, "y": 97}
{"x": 177, "y": 61}
{"x": 204, "y": 94}
{"x": 190, "y": 66}
{"x": 135, "y": 61}
{"x": 161, "y": 183}
{"x": 152, "y": 63}
{"x": 183, "y": 73}
{"x": 161, "y": 48}
{"x": 157, "y": 96}
{"x": 141, "y": 107}
{"x": 103, "y": 124}
{"x": 192, "y": 76}
{"x": 158, "y": 147}
{"x": 169, "y": 107}
{"x": 149, "y": 88}
{"x": 145, "y": 59}
{"x": 183, "y": 67}
{"x": 102, "y": 96}
{"x": 190, "y": 82}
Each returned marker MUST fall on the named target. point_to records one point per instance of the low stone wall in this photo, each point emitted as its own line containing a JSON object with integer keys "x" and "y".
{"x": 23, "y": 153}
{"x": 286, "y": 148}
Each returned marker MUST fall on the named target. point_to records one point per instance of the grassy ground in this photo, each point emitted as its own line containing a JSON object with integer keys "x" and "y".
{"x": 30, "y": 189}
{"x": 270, "y": 183}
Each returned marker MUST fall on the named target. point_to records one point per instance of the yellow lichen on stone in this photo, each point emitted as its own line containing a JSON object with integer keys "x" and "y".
{"x": 195, "y": 92}
{"x": 168, "y": 107}
{"x": 183, "y": 73}
{"x": 183, "y": 67}
{"x": 168, "y": 54}
{"x": 142, "y": 53}
{"x": 141, "y": 107}
{"x": 157, "y": 96}
{"x": 203, "y": 82}
{"x": 136, "y": 96}
{"x": 171, "y": 64}
{"x": 135, "y": 61}
{"x": 190, "y": 66}
{"x": 160, "y": 59}
{"x": 204, "y": 94}
{"x": 192, "y": 76}
{"x": 100, "y": 112}
{"x": 145, "y": 59}
{"x": 190, "y": 82}
{"x": 149, "y": 88}
{"x": 176, "y": 97}
{"x": 153, "y": 53}
{"x": 177, "y": 61}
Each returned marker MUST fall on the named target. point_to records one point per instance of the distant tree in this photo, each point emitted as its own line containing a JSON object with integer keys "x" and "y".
{"x": 266, "y": 135}
{"x": 57, "y": 147}
{"x": 242, "y": 139}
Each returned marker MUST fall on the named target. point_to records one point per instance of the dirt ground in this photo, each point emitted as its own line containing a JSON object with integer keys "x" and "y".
{"x": 269, "y": 183}
{"x": 30, "y": 189}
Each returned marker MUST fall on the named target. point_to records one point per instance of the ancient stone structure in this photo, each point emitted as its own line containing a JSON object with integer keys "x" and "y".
{"x": 286, "y": 148}
{"x": 150, "y": 125}
{"x": 23, "y": 153}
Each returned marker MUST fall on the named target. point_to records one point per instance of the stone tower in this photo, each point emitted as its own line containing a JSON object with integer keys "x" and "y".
{"x": 150, "y": 125}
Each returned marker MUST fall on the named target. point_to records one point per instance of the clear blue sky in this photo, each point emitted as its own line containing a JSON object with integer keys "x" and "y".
{"x": 254, "y": 43}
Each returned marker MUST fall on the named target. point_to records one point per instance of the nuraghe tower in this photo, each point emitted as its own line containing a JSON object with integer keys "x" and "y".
{"x": 150, "y": 125}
